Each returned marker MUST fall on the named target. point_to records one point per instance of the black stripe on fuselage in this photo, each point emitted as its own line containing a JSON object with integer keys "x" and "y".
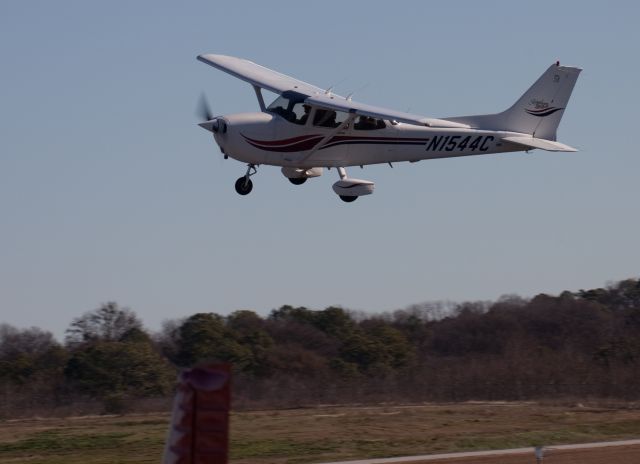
{"x": 375, "y": 142}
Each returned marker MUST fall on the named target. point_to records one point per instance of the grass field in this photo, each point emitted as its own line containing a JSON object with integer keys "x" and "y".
{"x": 322, "y": 434}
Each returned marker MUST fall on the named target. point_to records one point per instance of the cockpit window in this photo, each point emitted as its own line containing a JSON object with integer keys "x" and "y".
{"x": 368, "y": 123}
{"x": 291, "y": 108}
{"x": 329, "y": 118}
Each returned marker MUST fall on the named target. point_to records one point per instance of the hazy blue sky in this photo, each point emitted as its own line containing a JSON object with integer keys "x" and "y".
{"x": 109, "y": 190}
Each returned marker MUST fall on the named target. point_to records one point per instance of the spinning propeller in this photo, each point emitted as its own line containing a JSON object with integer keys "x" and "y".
{"x": 204, "y": 113}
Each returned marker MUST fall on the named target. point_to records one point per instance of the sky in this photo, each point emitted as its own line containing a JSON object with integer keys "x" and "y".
{"x": 109, "y": 191}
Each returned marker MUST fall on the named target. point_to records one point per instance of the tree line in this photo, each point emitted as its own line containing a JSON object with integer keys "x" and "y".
{"x": 583, "y": 344}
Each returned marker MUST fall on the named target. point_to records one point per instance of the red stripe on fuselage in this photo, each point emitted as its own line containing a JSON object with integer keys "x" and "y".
{"x": 307, "y": 142}
{"x": 271, "y": 143}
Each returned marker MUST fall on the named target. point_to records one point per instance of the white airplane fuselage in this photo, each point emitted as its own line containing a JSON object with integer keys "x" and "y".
{"x": 265, "y": 138}
{"x": 306, "y": 128}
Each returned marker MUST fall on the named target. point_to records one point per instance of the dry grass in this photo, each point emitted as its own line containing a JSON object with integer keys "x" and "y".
{"x": 323, "y": 434}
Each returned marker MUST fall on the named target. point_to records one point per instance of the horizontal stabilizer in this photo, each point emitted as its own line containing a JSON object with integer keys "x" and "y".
{"x": 542, "y": 144}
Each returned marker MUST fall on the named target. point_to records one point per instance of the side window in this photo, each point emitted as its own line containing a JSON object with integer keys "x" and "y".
{"x": 368, "y": 123}
{"x": 329, "y": 118}
{"x": 292, "y": 109}
{"x": 301, "y": 113}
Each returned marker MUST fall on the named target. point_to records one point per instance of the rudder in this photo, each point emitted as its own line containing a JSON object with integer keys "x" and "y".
{"x": 538, "y": 111}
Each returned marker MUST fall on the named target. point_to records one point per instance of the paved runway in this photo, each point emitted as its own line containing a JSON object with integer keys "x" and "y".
{"x": 477, "y": 454}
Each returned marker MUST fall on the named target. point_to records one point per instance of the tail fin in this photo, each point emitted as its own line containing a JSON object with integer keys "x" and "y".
{"x": 538, "y": 111}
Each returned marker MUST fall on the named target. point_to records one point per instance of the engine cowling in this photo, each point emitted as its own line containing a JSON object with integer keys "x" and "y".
{"x": 353, "y": 187}
{"x": 300, "y": 173}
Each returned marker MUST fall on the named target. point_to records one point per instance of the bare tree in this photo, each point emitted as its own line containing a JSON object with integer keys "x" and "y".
{"x": 107, "y": 323}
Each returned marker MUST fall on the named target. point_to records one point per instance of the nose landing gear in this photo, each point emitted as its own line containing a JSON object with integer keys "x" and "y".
{"x": 244, "y": 184}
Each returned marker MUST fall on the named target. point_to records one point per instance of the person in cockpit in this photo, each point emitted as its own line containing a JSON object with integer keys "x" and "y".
{"x": 325, "y": 118}
{"x": 303, "y": 119}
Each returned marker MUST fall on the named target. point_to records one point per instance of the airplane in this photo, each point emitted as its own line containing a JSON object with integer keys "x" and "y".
{"x": 306, "y": 128}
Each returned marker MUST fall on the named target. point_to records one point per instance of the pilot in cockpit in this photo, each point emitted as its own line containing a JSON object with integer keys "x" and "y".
{"x": 325, "y": 118}
{"x": 303, "y": 119}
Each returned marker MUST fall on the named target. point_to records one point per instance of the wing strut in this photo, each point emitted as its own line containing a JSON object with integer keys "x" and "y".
{"x": 258, "y": 90}
{"x": 330, "y": 135}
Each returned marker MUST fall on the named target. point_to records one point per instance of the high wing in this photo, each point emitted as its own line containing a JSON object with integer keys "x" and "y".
{"x": 279, "y": 83}
{"x": 258, "y": 75}
{"x": 341, "y": 104}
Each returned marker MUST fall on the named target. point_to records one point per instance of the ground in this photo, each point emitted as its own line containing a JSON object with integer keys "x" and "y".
{"x": 327, "y": 434}
{"x": 609, "y": 455}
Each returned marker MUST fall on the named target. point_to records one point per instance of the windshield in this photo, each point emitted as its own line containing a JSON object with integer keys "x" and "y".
{"x": 292, "y": 109}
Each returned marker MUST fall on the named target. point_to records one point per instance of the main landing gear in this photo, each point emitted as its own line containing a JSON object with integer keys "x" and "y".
{"x": 349, "y": 189}
{"x": 342, "y": 172}
{"x": 244, "y": 184}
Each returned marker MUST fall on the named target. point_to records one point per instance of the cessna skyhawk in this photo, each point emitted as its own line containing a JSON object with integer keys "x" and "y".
{"x": 307, "y": 128}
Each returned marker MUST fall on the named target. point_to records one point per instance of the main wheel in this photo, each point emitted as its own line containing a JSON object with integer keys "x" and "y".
{"x": 244, "y": 186}
{"x": 297, "y": 180}
{"x": 348, "y": 198}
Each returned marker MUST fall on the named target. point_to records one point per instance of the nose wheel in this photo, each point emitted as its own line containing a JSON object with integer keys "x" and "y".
{"x": 244, "y": 184}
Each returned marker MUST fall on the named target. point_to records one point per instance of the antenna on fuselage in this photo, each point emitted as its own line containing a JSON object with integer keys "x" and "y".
{"x": 362, "y": 87}
{"x": 329, "y": 91}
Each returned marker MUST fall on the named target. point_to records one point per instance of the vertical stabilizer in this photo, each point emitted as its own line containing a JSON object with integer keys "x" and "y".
{"x": 538, "y": 111}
